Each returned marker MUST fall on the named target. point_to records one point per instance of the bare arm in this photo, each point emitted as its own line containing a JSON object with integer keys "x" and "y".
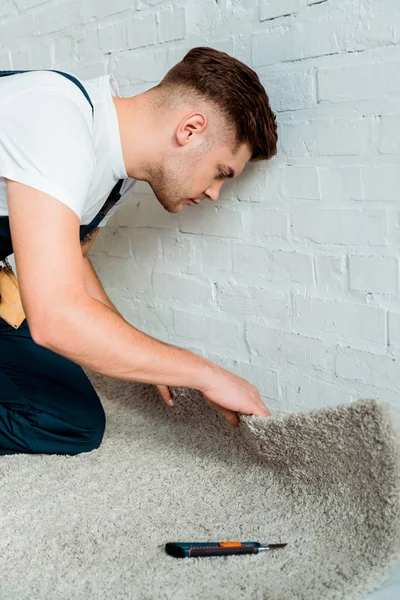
{"x": 94, "y": 286}
{"x": 63, "y": 317}
{"x": 92, "y": 283}
{"x": 92, "y": 335}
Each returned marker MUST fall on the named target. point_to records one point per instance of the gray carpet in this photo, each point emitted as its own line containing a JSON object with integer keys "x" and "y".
{"x": 94, "y": 526}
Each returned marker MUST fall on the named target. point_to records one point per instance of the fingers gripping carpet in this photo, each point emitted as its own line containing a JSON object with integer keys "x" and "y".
{"x": 94, "y": 525}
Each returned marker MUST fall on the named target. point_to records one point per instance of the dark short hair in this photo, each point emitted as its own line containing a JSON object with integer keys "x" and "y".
{"x": 237, "y": 92}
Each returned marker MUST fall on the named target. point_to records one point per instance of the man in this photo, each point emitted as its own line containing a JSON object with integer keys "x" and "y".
{"x": 202, "y": 124}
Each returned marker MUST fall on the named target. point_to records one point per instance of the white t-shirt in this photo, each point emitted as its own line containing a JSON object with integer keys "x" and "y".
{"x": 49, "y": 140}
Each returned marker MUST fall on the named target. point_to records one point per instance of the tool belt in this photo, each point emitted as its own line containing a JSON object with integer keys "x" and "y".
{"x": 11, "y": 309}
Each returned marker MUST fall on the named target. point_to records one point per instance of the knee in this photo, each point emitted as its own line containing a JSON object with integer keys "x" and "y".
{"x": 98, "y": 424}
{"x": 85, "y": 433}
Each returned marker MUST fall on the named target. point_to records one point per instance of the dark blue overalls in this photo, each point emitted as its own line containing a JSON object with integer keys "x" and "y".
{"x": 47, "y": 403}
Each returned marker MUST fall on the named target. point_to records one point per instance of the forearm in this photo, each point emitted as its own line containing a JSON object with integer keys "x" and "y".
{"x": 94, "y": 287}
{"x": 94, "y": 336}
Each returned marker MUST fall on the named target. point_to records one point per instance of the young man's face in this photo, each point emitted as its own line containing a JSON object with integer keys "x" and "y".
{"x": 196, "y": 175}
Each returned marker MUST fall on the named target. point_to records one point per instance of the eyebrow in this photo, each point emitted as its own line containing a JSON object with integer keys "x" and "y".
{"x": 231, "y": 172}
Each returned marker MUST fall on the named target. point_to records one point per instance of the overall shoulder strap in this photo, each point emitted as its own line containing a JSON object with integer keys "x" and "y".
{"x": 67, "y": 75}
{"x": 115, "y": 194}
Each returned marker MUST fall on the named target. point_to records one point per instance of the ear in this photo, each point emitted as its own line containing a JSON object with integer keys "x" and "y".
{"x": 191, "y": 128}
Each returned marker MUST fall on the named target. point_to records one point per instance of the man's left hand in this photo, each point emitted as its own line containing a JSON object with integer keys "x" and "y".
{"x": 165, "y": 394}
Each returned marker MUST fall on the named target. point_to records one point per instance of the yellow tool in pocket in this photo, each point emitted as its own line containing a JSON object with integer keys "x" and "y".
{"x": 11, "y": 309}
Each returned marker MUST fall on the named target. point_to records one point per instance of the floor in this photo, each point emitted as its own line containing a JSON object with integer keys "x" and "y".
{"x": 390, "y": 590}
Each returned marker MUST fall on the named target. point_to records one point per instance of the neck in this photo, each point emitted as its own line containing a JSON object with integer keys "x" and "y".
{"x": 135, "y": 129}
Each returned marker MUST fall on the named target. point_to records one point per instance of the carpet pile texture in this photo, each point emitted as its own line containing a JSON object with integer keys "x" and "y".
{"x": 94, "y": 525}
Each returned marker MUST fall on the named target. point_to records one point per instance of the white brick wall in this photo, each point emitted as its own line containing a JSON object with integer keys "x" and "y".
{"x": 292, "y": 279}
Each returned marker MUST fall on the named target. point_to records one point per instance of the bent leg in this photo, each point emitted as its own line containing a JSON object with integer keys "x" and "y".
{"x": 47, "y": 403}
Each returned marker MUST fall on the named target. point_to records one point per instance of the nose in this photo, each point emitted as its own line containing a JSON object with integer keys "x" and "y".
{"x": 213, "y": 192}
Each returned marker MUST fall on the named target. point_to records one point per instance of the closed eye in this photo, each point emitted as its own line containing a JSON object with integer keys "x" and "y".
{"x": 221, "y": 175}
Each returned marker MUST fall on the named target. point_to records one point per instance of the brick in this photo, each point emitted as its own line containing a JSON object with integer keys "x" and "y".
{"x": 379, "y": 22}
{"x": 344, "y": 320}
{"x": 204, "y": 16}
{"x": 172, "y": 25}
{"x": 24, "y": 4}
{"x": 111, "y": 38}
{"x": 390, "y": 134}
{"x": 98, "y": 9}
{"x": 381, "y": 183}
{"x": 184, "y": 288}
{"x": 249, "y": 259}
{"x": 215, "y": 254}
{"x": 40, "y": 56}
{"x": 245, "y": 9}
{"x": 117, "y": 245}
{"x": 221, "y": 360}
{"x": 308, "y": 393}
{"x": 340, "y": 184}
{"x": 295, "y": 41}
{"x": 339, "y": 121}
{"x": 293, "y": 90}
{"x": 250, "y": 300}
{"x": 250, "y": 186}
{"x": 122, "y": 275}
{"x": 146, "y": 248}
{"x": 179, "y": 251}
{"x": 143, "y": 4}
{"x": 132, "y": 215}
{"x": 300, "y": 182}
{"x": 325, "y": 136}
{"x": 63, "y": 51}
{"x": 21, "y": 60}
{"x": 394, "y": 331}
{"x": 266, "y": 223}
{"x": 368, "y": 368}
{"x": 87, "y": 45}
{"x": 90, "y": 70}
{"x": 17, "y": 28}
{"x": 364, "y": 82}
{"x": 58, "y": 18}
{"x": 331, "y": 273}
{"x": 137, "y": 282}
{"x": 141, "y": 31}
{"x": 213, "y": 332}
{"x": 290, "y": 267}
{"x": 146, "y": 67}
{"x": 5, "y": 62}
{"x": 270, "y": 9}
{"x": 131, "y": 313}
{"x": 393, "y": 218}
{"x": 374, "y": 273}
{"x": 157, "y": 321}
{"x": 267, "y": 381}
{"x": 272, "y": 46}
{"x": 7, "y": 10}
{"x": 286, "y": 349}
{"x": 211, "y": 220}
{"x": 344, "y": 226}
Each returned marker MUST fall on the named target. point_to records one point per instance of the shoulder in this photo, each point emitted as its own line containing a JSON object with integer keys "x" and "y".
{"x": 44, "y": 88}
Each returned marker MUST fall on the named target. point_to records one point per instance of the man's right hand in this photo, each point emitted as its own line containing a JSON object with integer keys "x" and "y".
{"x": 232, "y": 394}
{"x": 64, "y": 318}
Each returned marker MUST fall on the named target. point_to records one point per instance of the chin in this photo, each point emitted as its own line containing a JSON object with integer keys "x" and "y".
{"x": 170, "y": 207}
{"x": 173, "y": 209}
